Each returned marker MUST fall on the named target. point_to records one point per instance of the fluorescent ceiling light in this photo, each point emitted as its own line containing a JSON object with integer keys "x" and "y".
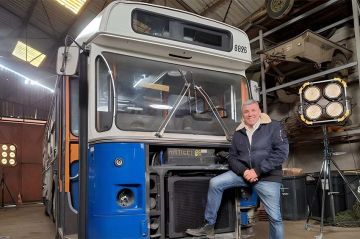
{"x": 27, "y": 79}
{"x": 161, "y": 107}
{"x": 28, "y": 54}
{"x": 72, "y": 5}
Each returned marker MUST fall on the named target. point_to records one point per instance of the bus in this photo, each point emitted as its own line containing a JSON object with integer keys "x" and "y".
{"x": 146, "y": 102}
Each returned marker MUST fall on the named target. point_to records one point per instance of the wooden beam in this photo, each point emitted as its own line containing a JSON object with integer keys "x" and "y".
{"x": 212, "y": 7}
{"x": 185, "y": 6}
{"x": 30, "y": 24}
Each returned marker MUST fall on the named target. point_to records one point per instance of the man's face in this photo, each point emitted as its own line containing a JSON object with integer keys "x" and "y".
{"x": 251, "y": 114}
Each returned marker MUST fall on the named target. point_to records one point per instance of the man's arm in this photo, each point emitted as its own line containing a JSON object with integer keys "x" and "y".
{"x": 279, "y": 152}
{"x": 235, "y": 164}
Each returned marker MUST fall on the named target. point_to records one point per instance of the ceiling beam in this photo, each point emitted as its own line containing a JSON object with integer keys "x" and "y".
{"x": 186, "y": 6}
{"x": 51, "y": 54}
{"x": 212, "y": 7}
{"x": 16, "y": 33}
{"x": 30, "y": 24}
{"x": 30, "y": 12}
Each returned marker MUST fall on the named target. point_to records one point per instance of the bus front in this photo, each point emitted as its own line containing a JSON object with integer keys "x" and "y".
{"x": 165, "y": 89}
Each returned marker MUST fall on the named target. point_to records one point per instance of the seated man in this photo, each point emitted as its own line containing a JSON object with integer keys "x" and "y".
{"x": 259, "y": 147}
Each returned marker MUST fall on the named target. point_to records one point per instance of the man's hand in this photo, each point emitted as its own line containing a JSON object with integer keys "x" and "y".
{"x": 250, "y": 175}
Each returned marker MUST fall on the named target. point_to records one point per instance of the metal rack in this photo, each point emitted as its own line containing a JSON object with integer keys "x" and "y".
{"x": 260, "y": 38}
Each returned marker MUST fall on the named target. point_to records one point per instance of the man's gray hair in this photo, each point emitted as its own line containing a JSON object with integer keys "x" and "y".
{"x": 250, "y": 102}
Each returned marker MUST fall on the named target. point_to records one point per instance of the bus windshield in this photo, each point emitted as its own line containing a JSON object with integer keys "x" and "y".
{"x": 146, "y": 92}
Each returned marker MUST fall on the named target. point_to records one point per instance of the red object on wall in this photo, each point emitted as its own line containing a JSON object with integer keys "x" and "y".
{"x": 26, "y": 177}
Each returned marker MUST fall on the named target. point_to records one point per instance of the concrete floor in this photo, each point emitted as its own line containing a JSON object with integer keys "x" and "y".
{"x": 30, "y": 222}
{"x": 26, "y": 222}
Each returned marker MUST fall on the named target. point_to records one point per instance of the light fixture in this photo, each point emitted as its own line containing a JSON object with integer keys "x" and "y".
{"x": 8, "y": 155}
{"x": 334, "y": 109}
{"x": 332, "y": 91}
{"x": 72, "y": 5}
{"x": 28, "y": 54}
{"x": 161, "y": 107}
{"x": 324, "y": 102}
{"x": 27, "y": 79}
{"x": 313, "y": 112}
{"x": 12, "y": 162}
{"x": 312, "y": 93}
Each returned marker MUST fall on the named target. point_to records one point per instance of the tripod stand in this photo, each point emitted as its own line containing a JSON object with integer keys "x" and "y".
{"x": 325, "y": 180}
{"x": 3, "y": 186}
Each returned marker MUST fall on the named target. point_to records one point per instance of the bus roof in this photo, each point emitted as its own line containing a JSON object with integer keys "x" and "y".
{"x": 116, "y": 21}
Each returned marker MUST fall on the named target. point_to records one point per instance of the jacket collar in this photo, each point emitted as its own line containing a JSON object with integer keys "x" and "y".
{"x": 264, "y": 119}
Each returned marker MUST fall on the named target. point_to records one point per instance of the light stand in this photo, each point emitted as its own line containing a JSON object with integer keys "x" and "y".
{"x": 3, "y": 186}
{"x": 325, "y": 180}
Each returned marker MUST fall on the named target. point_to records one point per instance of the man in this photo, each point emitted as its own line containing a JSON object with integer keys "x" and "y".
{"x": 259, "y": 147}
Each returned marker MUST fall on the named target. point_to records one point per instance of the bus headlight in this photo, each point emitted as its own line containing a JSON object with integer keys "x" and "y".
{"x": 125, "y": 198}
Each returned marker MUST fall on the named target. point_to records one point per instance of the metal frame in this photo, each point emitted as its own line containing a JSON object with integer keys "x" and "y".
{"x": 260, "y": 38}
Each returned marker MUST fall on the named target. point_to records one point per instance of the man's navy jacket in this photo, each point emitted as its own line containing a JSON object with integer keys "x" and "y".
{"x": 268, "y": 150}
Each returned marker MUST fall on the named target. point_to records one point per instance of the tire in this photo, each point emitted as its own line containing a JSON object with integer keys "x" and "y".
{"x": 277, "y": 9}
{"x": 339, "y": 59}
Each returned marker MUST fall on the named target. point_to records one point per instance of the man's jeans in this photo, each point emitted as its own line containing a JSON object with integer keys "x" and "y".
{"x": 269, "y": 193}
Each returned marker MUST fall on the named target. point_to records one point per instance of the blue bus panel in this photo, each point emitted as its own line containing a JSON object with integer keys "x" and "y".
{"x": 117, "y": 191}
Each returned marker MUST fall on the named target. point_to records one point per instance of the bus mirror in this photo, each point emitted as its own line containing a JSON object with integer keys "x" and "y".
{"x": 254, "y": 89}
{"x": 67, "y": 61}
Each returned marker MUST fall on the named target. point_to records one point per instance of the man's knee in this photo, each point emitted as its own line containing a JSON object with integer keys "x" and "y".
{"x": 275, "y": 217}
{"x": 215, "y": 184}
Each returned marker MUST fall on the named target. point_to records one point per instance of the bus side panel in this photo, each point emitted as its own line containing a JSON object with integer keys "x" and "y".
{"x": 117, "y": 193}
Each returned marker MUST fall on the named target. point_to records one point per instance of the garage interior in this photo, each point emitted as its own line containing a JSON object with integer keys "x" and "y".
{"x": 327, "y": 31}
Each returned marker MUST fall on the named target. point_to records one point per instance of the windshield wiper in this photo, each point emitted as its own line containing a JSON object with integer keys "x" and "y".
{"x": 184, "y": 91}
{"x": 165, "y": 122}
{"x": 215, "y": 112}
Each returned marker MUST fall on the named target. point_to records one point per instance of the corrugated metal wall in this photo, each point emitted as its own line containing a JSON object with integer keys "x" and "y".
{"x": 26, "y": 177}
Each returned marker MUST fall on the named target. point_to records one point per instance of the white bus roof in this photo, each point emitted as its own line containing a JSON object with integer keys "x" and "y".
{"x": 113, "y": 28}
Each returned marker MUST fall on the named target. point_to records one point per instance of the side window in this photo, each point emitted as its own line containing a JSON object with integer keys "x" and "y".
{"x": 104, "y": 96}
{"x": 74, "y": 106}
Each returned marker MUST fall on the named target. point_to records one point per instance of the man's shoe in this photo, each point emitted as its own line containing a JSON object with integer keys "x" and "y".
{"x": 206, "y": 230}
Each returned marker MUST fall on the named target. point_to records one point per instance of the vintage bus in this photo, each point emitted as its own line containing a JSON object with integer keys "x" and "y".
{"x": 147, "y": 98}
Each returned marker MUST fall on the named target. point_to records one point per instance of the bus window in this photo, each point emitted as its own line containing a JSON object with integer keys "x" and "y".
{"x": 150, "y": 24}
{"x": 146, "y": 91}
{"x": 157, "y": 25}
{"x": 104, "y": 98}
{"x": 74, "y": 106}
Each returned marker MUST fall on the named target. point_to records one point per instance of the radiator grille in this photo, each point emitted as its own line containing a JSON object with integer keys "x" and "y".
{"x": 187, "y": 201}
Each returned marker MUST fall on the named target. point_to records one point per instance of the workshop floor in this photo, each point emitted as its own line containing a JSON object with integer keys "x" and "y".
{"x": 30, "y": 222}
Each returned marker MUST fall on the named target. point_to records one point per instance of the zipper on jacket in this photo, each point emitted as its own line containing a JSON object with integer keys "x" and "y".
{"x": 249, "y": 149}
{"x": 281, "y": 136}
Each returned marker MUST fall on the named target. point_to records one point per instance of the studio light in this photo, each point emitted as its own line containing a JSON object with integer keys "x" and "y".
{"x": 324, "y": 102}
{"x": 334, "y": 109}
{"x": 332, "y": 91}
{"x": 313, "y": 112}
{"x": 312, "y": 94}
{"x": 8, "y": 155}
